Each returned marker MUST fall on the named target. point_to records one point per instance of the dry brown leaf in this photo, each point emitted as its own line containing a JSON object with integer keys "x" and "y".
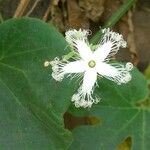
{"x": 127, "y": 29}
{"x": 56, "y": 15}
{"x": 76, "y": 17}
{"x": 93, "y": 9}
{"x": 131, "y": 39}
{"x": 33, "y": 7}
{"x": 21, "y": 8}
{"x": 110, "y": 8}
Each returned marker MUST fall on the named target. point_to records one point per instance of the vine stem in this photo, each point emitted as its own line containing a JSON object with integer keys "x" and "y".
{"x": 114, "y": 19}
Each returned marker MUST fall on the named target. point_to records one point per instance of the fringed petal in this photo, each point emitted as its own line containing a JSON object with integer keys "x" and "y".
{"x": 78, "y": 40}
{"x": 109, "y": 45}
{"x": 60, "y": 69}
{"x": 116, "y": 72}
{"x": 83, "y": 98}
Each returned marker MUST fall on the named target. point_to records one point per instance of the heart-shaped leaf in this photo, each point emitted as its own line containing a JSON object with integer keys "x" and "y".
{"x": 31, "y": 110}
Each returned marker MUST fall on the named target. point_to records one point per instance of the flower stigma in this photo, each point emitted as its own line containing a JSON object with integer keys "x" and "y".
{"x": 91, "y": 63}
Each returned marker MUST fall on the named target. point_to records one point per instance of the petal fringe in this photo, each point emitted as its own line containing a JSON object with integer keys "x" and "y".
{"x": 84, "y": 100}
{"x": 109, "y": 44}
{"x": 78, "y": 40}
{"x": 118, "y": 73}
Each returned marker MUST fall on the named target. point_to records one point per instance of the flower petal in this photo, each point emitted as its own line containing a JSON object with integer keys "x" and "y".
{"x": 103, "y": 51}
{"x": 83, "y": 98}
{"x": 83, "y": 49}
{"x": 110, "y": 44}
{"x": 74, "y": 67}
{"x": 59, "y": 69}
{"x": 89, "y": 80}
{"x": 74, "y": 35}
{"x": 115, "y": 72}
{"x": 79, "y": 41}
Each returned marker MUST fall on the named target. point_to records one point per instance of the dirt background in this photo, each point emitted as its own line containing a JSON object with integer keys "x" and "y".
{"x": 90, "y": 14}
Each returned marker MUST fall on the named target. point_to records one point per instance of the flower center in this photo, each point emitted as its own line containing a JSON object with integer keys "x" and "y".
{"x": 91, "y": 63}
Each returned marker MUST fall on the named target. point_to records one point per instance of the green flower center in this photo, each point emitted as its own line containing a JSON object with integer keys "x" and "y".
{"x": 91, "y": 63}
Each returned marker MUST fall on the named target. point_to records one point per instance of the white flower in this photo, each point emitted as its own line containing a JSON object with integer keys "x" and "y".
{"x": 92, "y": 63}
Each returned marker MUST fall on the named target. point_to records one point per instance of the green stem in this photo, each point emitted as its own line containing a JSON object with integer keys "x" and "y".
{"x": 114, "y": 19}
{"x": 69, "y": 55}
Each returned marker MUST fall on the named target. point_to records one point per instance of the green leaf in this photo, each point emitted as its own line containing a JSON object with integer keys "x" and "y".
{"x": 31, "y": 110}
{"x": 121, "y": 114}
